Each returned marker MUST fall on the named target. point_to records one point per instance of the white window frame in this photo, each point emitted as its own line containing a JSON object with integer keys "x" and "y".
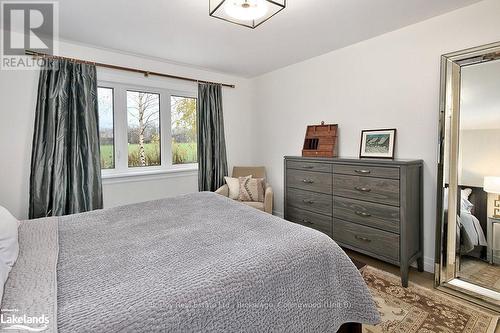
{"x": 120, "y": 128}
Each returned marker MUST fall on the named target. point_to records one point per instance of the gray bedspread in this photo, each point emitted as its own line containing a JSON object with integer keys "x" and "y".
{"x": 201, "y": 263}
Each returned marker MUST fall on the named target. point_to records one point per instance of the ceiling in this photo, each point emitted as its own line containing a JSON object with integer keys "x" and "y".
{"x": 181, "y": 30}
{"x": 480, "y": 96}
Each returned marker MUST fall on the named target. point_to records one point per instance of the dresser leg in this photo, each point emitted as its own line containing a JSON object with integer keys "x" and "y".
{"x": 404, "y": 275}
{"x": 420, "y": 264}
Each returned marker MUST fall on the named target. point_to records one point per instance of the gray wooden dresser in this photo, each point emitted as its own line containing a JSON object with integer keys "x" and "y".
{"x": 374, "y": 207}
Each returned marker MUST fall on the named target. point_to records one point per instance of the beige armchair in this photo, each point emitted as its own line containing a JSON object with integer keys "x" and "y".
{"x": 256, "y": 172}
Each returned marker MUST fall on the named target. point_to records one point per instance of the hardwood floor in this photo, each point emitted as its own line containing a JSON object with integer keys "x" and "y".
{"x": 423, "y": 279}
{"x": 480, "y": 272}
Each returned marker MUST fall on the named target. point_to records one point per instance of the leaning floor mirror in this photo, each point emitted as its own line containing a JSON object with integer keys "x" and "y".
{"x": 468, "y": 222}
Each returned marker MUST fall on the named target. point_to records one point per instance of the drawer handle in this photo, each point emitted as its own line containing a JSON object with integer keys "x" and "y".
{"x": 364, "y": 239}
{"x": 308, "y": 201}
{"x": 362, "y": 189}
{"x": 307, "y": 181}
{"x": 363, "y": 172}
{"x": 307, "y": 167}
{"x": 305, "y": 221}
{"x": 363, "y": 214}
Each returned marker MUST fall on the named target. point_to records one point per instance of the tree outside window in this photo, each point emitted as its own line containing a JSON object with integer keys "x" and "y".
{"x": 184, "y": 132}
{"x": 143, "y": 111}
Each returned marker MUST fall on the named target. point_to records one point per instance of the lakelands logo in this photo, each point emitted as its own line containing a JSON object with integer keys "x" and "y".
{"x": 12, "y": 320}
{"x": 27, "y": 25}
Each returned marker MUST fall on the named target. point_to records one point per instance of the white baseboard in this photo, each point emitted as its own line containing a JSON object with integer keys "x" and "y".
{"x": 428, "y": 262}
{"x": 279, "y": 214}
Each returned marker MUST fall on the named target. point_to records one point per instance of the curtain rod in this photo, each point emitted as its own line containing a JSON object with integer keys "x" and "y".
{"x": 128, "y": 69}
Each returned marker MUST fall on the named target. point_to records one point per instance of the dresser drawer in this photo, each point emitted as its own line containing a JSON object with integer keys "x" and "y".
{"x": 316, "y": 202}
{"x": 366, "y": 171}
{"x": 310, "y": 181}
{"x": 368, "y": 239}
{"x": 384, "y": 191}
{"x": 309, "y": 166}
{"x": 366, "y": 213}
{"x": 309, "y": 219}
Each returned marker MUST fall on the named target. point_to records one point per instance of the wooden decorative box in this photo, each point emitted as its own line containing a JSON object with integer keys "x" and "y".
{"x": 321, "y": 141}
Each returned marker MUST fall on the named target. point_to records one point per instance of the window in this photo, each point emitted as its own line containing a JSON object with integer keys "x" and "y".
{"x": 146, "y": 130}
{"x": 106, "y": 127}
{"x": 143, "y": 120}
{"x": 184, "y": 143}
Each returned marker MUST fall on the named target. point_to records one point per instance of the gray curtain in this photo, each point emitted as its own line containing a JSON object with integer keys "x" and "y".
{"x": 212, "y": 159}
{"x": 65, "y": 161}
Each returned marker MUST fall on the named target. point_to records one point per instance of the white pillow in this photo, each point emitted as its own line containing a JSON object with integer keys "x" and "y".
{"x": 466, "y": 192}
{"x": 9, "y": 245}
{"x": 465, "y": 204}
{"x": 234, "y": 187}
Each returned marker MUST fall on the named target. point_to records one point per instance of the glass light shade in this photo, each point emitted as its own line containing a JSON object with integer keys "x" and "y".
{"x": 247, "y": 13}
{"x": 246, "y": 10}
{"x": 492, "y": 184}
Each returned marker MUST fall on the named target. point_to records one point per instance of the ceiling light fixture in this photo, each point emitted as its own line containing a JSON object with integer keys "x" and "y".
{"x": 247, "y": 13}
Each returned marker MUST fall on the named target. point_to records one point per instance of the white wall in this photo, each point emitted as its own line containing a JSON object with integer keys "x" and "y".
{"x": 479, "y": 123}
{"x": 479, "y": 96}
{"x": 480, "y": 155}
{"x": 18, "y": 91}
{"x": 388, "y": 81}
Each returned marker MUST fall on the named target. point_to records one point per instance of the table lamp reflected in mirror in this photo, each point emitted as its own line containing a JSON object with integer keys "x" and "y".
{"x": 492, "y": 185}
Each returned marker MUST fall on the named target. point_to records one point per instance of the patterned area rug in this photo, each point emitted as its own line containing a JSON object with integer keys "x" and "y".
{"x": 417, "y": 309}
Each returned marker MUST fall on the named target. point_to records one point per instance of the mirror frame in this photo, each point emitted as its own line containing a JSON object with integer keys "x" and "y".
{"x": 445, "y": 267}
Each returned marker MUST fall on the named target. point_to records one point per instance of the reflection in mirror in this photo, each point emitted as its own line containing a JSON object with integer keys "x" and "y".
{"x": 478, "y": 241}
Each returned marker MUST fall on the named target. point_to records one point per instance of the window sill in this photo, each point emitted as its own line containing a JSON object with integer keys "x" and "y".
{"x": 112, "y": 177}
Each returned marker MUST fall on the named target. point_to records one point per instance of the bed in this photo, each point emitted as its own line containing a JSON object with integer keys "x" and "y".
{"x": 471, "y": 220}
{"x": 194, "y": 263}
{"x": 472, "y": 234}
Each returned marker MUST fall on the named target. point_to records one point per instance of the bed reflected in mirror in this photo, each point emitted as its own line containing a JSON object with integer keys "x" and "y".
{"x": 478, "y": 169}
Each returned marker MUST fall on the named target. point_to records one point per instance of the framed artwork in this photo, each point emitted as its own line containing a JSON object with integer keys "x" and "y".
{"x": 377, "y": 143}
